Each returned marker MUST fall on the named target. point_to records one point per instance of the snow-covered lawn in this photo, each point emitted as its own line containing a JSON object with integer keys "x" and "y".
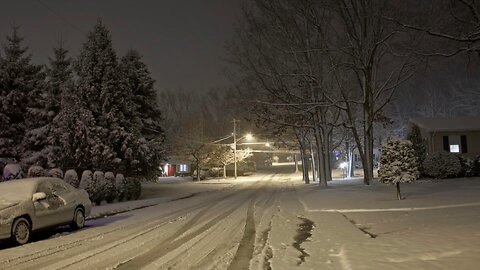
{"x": 437, "y": 226}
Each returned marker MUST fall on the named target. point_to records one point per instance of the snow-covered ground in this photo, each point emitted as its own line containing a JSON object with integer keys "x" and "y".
{"x": 272, "y": 221}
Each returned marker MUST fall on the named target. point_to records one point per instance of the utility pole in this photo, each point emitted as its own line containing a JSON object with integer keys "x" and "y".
{"x": 235, "y": 146}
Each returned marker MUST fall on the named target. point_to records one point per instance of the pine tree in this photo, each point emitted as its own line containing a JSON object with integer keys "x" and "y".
{"x": 148, "y": 117}
{"x": 75, "y": 134}
{"x": 42, "y": 144}
{"x": 398, "y": 163}
{"x": 419, "y": 146}
{"x": 105, "y": 97}
{"x": 21, "y": 86}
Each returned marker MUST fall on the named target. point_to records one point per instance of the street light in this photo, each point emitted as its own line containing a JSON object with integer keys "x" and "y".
{"x": 248, "y": 136}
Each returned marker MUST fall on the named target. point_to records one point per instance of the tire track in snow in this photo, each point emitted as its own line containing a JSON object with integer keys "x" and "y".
{"x": 173, "y": 243}
{"x": 245, "y": 250}
{"x": 53, "y": 251}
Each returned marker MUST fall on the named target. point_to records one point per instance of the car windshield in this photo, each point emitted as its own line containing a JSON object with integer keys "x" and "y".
{"x": 17, "y": 190}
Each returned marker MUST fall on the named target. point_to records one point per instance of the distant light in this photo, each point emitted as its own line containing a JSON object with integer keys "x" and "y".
{"x": 249, "y": 136}
{"x": 343, "y": 165}
{"x": 267, "y": 144}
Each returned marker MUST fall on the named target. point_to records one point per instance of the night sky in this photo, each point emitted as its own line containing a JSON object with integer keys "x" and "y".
{"x": 182, "y": 41}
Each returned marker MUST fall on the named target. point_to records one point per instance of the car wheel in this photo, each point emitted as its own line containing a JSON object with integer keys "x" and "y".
{"x": 78, "y": 219}
{"x": 21, "y": 231}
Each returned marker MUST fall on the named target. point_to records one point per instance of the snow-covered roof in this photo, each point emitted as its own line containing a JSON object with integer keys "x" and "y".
{"x": 439, "y": 124}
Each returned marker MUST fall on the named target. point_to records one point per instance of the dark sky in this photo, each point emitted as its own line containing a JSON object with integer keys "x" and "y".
{"x": 182, "y": 41}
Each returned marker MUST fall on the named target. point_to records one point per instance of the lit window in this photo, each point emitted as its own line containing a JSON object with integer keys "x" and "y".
{"x": 183, "y": 168}
{"x": 454, "y": 148}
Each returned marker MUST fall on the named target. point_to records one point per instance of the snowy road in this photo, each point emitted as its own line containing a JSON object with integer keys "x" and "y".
{"x": 224, "y": 229}
{"x": 273, "y": 221}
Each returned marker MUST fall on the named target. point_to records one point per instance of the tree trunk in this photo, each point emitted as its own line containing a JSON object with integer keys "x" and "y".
{"x": 296, "y": 162}
{"x": 323, "y": 166}
{"x": 349, "y": 150}
{"x": 399, "y": 195}
{"x": 224, "y": 171}
{"x": 312, "y": 157}
{"x": 303, "y": 155}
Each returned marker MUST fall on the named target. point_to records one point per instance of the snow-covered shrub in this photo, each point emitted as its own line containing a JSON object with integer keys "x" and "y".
{"x": 99, "y": 185}
{"x": 470, "y": 167}
{"x": 87, "y": 183}
{"x": 120, "y": 186}
{"x": 35, "y": 171}
{"x": 110, "y": 190}
{"x": 56, "y": 172}
{"x": 129, "y": 186}
{"x": 398, "y": 163}
{"x": 442, "y": 165}
{"x": 133, "y": 188}
{"x": 71, "y": 177}
{"x": 12, "y": 171}
{"x": 137, "y": 189}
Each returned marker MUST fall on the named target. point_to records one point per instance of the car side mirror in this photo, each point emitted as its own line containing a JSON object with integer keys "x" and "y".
{"x": 39, "y": 196}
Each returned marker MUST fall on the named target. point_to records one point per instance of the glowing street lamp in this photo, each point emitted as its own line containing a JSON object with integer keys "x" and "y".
{"x": 248, "y": 137}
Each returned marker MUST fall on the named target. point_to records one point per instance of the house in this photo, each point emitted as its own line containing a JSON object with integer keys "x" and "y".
{"x": 175, "y": 167}
{"x": 455, "y": 134}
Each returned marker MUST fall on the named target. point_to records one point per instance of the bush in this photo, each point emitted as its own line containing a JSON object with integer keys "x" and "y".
{"x": 442, "y": 165}
{"x": 137, "y": 189}
{"x": 470, "y": 167}
{"x": 71, "y": 177}
{"x": 120, "y": 186}
{"x": 35, "y": 171}
{"x": 12, "y": 171}
{"x": 133, "y": 188}
{"x": 56, "y": 172}
{"x": 110, "y": 190}
{"x": 99, "y": 185}
{"x": 86, "y": 183}
{"x": 398, "y": 163}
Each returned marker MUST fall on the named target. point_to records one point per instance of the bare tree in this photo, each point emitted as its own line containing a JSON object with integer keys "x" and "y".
{"x": 370, "y": 65}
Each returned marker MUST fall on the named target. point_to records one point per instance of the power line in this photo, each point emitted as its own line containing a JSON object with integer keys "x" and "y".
{"x": 56, "y": 13}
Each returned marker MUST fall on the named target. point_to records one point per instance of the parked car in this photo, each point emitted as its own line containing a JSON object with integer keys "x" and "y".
{"x": 32, "y": 204}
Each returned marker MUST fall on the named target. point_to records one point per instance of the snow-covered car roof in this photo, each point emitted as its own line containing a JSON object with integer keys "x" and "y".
{"x": 20, "y": 188}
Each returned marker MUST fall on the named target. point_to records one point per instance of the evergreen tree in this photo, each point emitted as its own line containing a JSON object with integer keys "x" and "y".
{"x": 398, "y": 163}
{"x": 105, "y": 97}
{"x": 75, "y": 136}
{"x": 59, "y": 74}
{"x": 419, "y": 146}
{"x": 147, "y": 118}
{"x": 21, "y": 86}
{"x": 43, "y": 145}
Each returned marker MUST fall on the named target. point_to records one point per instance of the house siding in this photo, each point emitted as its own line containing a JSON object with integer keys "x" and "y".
{"x": 435, "y": 142}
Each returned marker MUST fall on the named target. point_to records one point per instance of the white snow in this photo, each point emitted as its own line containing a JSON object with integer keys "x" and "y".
{"x": 355, "y": 227}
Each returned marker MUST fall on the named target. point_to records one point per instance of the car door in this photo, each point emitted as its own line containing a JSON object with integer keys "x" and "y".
{"x": 67, "y": 195}
{"x": 47, "y": 210}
